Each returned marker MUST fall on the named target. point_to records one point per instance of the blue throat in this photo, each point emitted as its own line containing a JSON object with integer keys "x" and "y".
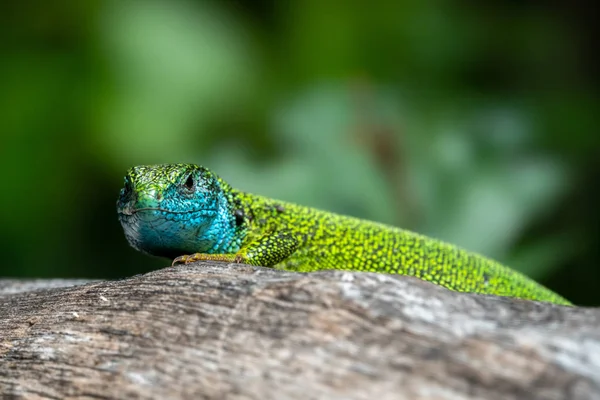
{"x": 168, "y": 225}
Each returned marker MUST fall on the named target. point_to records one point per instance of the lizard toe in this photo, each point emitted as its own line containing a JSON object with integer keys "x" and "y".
{"x": 180, "y": 260}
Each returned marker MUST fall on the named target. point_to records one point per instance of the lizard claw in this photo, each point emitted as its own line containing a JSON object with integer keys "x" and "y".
{"x": 185, "y": 259}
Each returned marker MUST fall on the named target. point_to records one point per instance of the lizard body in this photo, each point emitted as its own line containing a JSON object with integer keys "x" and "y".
{"x": 173, "y": 210}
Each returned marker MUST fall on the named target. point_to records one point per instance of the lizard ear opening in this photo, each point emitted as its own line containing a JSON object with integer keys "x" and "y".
{"x": 239, "y": 217}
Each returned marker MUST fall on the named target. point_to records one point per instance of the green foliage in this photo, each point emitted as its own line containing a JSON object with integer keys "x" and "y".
{"x": 468, "y": 122}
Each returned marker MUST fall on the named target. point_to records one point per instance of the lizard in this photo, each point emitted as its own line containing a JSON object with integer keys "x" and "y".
{"x": 187, "y": 213}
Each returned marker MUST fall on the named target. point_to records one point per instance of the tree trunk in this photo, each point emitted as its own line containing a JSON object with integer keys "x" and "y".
{"x": 214, "y": 330}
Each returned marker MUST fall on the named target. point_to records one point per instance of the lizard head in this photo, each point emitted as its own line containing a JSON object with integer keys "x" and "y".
{"x": 173, "y": 209}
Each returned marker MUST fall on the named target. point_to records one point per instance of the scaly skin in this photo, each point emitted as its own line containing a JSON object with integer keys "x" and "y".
{"x": 172, "y": 210}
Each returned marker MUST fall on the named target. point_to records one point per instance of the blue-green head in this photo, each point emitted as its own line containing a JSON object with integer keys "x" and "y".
{"x": 173, "y": 209}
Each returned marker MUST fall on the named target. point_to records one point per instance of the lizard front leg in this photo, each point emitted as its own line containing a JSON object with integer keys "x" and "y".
{"x": 266, "y": 251}
{"x": 190, "y": 258}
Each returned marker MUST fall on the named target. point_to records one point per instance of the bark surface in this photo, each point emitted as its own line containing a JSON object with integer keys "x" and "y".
{"x": 218, "y": 331}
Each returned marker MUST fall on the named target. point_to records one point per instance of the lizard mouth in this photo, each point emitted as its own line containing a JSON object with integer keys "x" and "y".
{"x": 131, "y": 211}
{"x": 153, "y": 215}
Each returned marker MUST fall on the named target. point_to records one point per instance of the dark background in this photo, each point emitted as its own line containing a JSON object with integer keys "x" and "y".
{"x": 474, "y": 122}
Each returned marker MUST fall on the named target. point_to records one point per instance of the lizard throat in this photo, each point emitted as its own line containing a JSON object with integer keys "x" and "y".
{"x": 170, "y": 234}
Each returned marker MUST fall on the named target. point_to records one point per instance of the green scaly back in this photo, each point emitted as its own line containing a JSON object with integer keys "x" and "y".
{"x": 332, "y": 241}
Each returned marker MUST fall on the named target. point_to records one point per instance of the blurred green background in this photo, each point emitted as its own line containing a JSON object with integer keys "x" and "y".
{"x": 474, "y": 122}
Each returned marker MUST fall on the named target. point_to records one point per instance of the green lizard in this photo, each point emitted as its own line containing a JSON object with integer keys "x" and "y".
{"x": 186, "y": 212}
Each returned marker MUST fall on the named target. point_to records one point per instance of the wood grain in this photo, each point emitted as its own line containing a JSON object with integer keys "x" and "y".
{"x": 218, "y": 331}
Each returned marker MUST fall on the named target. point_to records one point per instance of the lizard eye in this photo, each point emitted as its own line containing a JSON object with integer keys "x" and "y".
{"x": 189, "y": 183}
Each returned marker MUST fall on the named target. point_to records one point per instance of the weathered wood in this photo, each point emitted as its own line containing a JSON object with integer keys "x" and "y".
{"x": 213, "y": 330}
